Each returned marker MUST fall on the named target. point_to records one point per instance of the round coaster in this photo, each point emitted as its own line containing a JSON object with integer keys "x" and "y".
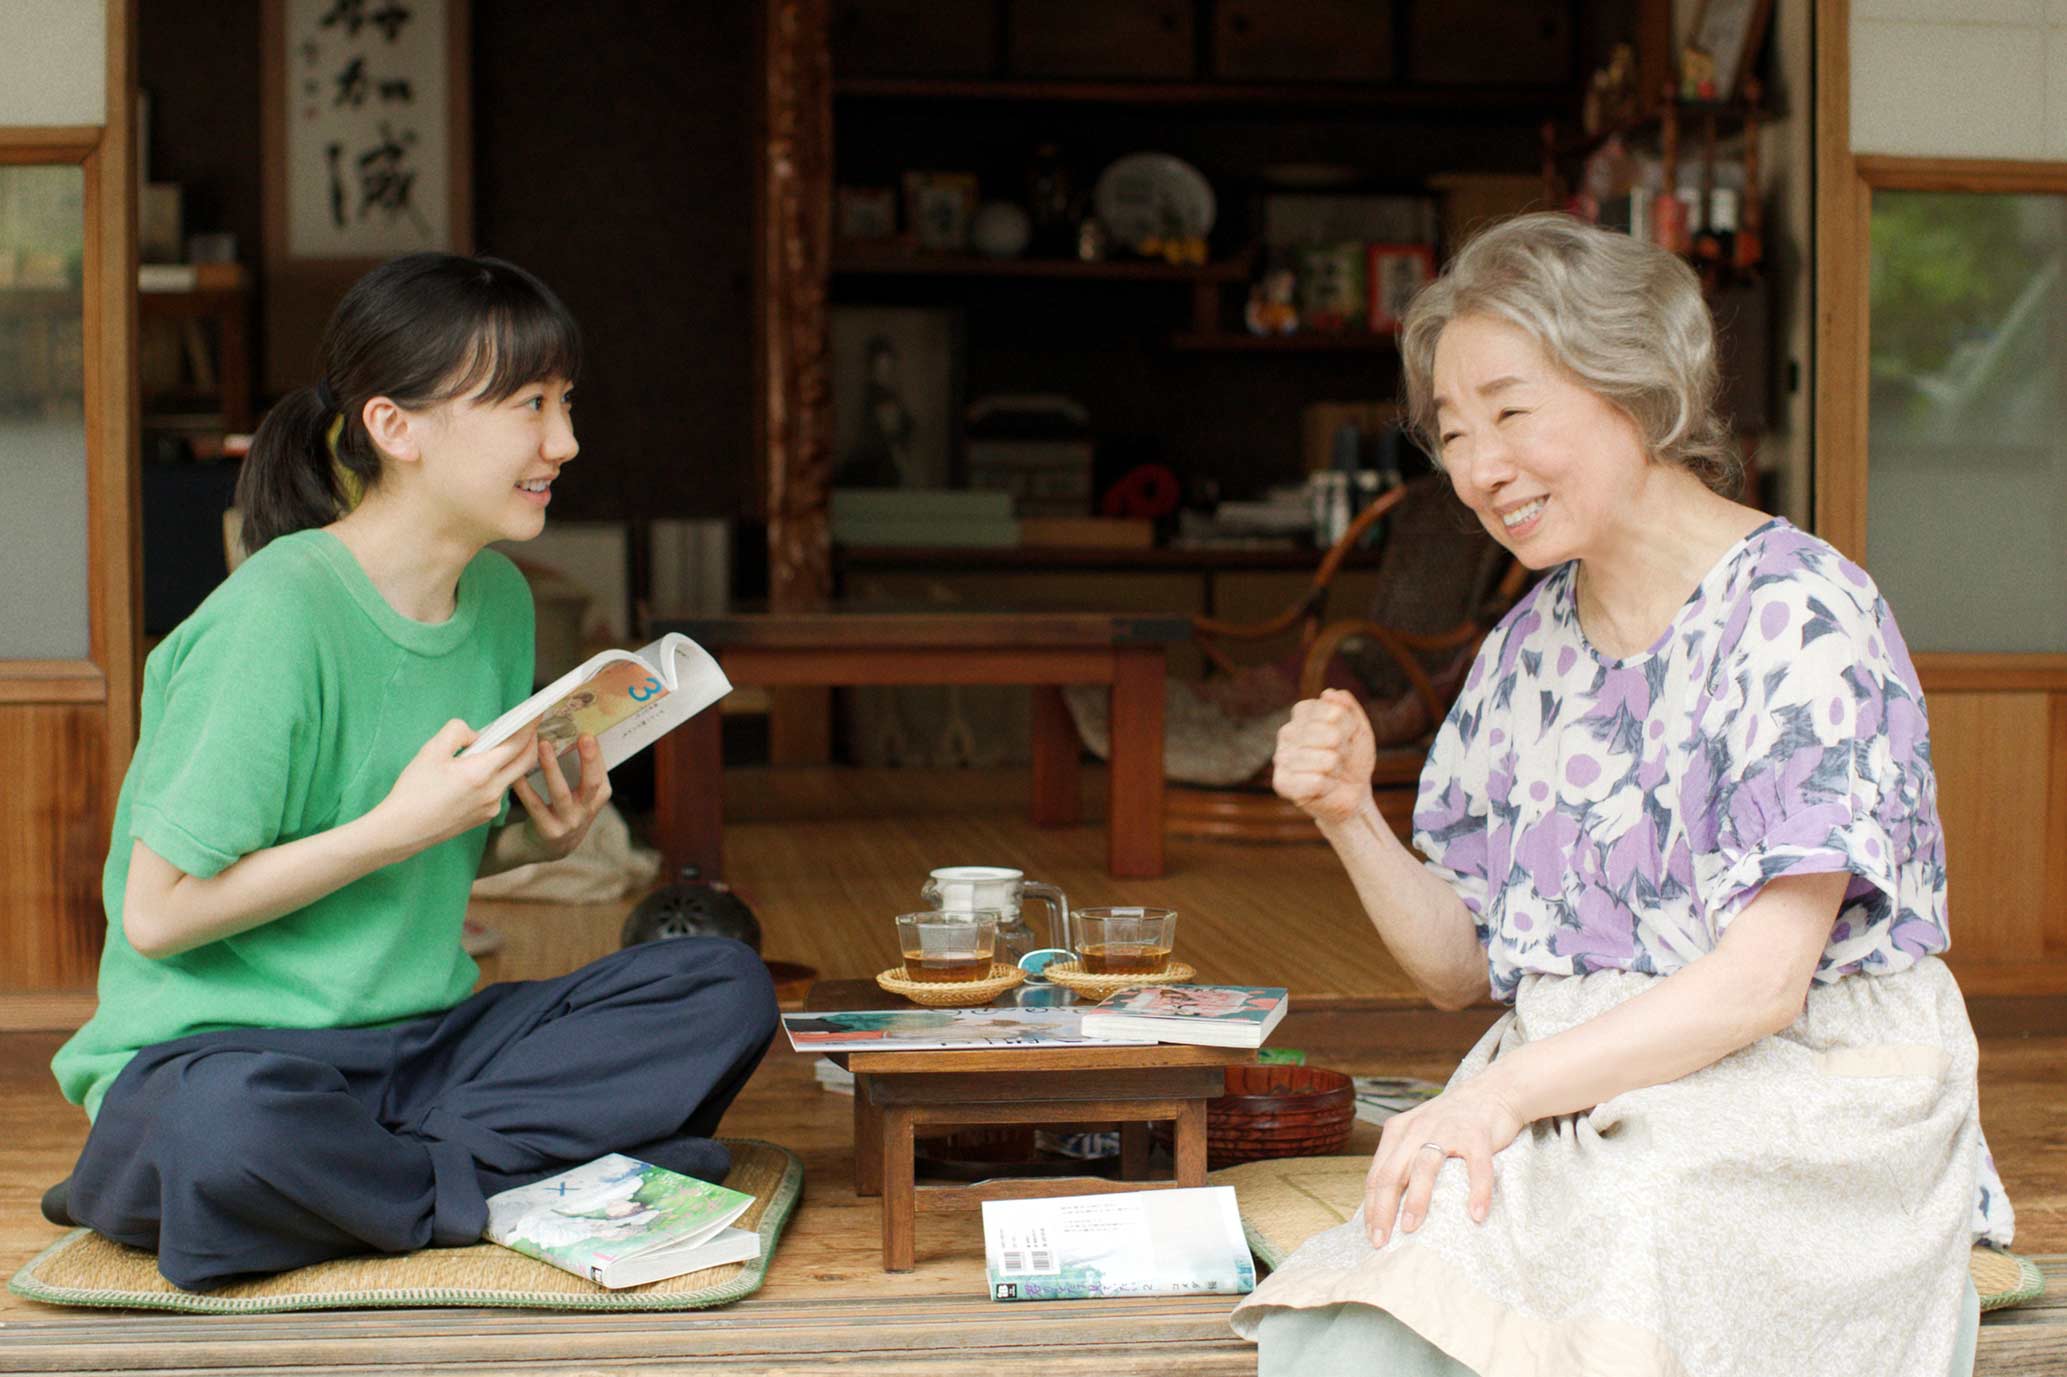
{"x": 1070, "y": 976}
{"x": 950, "y": 994}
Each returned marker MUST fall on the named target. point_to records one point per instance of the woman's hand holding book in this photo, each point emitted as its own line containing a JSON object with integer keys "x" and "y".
{"x": 441, "y": 793}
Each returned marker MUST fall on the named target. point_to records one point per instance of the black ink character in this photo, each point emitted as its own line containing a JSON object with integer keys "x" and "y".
{"x": 352, "y": 84}
{"x": 385, "y": 182}
{"x": 390, "y": 19}
{"x": 334, "y": 155}
{"x": 347, "y": 14}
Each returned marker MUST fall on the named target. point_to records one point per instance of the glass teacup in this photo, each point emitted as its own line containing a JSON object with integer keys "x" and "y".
{"x": 1124, "y": 941}
{"x": 940, "y": 945}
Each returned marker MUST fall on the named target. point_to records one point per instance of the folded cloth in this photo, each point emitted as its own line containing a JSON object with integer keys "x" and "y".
{"x": 603, "y": 867}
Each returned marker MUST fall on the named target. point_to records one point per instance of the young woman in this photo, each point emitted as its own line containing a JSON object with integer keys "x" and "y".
{"x": 286, "y": 1064}
{"x": 1682, "y": 818}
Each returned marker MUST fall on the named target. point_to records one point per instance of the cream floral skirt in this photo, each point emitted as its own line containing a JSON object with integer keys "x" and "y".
{"x": 1805, "y": 1205}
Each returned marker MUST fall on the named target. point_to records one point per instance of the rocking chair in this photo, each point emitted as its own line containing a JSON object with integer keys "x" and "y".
{"x": 1442, "y": 585}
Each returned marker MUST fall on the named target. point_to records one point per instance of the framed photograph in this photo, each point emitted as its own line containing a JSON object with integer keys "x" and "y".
{"x": 1724, "y": 39}
{"x": 1396, "y": 272}
{"x": 897, "y": 381}
{"x": 365, "y": 112}
{"x": 1331, "y": 288}
{"x": 938, "y": 207}
{"x": 865, "y": 213}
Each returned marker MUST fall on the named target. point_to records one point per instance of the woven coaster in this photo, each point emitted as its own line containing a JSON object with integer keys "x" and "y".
{"x": 1071, "y": 976}
{"x": 82, "y": 1268}
{"x": 951, "y": 994}
{"x": 1288, "y": 1200}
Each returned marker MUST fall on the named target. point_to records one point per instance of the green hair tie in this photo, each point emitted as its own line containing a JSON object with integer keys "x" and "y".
{"x": 349, "y": 485}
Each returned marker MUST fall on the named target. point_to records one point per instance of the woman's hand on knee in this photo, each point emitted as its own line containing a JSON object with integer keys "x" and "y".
{"x": 1467, "y": 1122}
{"x": 562, "y": 818}
{"x": 1325, "y": 757}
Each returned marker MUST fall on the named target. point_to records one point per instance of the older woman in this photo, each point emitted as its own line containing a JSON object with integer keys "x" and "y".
{"x": 1682, "y": 817}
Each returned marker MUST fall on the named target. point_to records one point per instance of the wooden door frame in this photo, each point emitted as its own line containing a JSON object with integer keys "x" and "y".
{"x": 107, "y": 154}
{"x": 1845, "y": 183}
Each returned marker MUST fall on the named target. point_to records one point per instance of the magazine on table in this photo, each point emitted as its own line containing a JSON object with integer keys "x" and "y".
{"x": 1209, "y": 1015}
{"x": 931, "y": 1030}
{"x": 626, "y": 699}
{"x": 621, "y": 1222}
{"x": 1183, "y": 1242}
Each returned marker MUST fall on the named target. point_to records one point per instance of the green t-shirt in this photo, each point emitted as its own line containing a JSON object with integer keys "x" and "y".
{"x": 285, "y": 706}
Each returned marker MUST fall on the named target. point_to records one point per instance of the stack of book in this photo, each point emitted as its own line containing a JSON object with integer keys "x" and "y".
{"x": 1036, "y": 448}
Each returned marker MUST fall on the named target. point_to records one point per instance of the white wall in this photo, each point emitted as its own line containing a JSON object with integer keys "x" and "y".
{"x": 1960, "y": 78}
{"x": 53, "y": 62}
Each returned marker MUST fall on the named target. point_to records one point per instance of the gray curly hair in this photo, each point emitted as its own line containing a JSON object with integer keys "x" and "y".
{"x": 1624, "y": 318}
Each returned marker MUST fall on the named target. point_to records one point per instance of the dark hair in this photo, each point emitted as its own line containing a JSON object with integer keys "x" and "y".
{"x": 421, "y": 329}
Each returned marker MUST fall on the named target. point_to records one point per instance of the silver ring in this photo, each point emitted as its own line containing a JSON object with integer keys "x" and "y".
{"x": 1433, "y": 1147}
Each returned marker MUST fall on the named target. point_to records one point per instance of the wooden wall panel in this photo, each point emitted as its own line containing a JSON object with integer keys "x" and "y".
{"x": 53, "y": 839}
{"x": 2056, "y": 839}
{"x": 1994, "y": 780}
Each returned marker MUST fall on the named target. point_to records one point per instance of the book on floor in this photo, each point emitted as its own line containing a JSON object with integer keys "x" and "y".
{"x": 1210, "y": 1015}
{"x": 1183, "y": 1242}
{"x": 622, "y": 1222}
{"x": 626, "y": 699}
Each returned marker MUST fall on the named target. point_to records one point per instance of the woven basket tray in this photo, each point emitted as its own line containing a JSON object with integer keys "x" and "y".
{"x": 1071, "y": 977}
{"x": 952, "y": 994}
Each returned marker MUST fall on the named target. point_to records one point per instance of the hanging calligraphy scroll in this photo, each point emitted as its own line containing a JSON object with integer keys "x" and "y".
{"x": 367, "y": 150}
{"x": 371, "y": 132}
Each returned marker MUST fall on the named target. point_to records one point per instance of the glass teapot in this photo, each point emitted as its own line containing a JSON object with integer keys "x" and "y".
{"x": 1004, "y": 889}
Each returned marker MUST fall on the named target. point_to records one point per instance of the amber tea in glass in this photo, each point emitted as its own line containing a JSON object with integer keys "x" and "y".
{"x": 940, "y": 945}
{"x": 1124, "y": 941}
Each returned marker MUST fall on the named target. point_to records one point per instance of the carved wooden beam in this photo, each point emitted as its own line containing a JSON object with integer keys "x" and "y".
{"x": 794, "y": 208}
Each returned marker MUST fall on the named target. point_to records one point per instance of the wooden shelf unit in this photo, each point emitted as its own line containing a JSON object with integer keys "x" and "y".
{"x": 1304, "y": 342}
{"x": 879, "y": 260}
{"x": 1492, "y": 98}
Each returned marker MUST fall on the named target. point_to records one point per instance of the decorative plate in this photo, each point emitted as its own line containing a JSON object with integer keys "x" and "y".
{"x": 1150, "y": 195}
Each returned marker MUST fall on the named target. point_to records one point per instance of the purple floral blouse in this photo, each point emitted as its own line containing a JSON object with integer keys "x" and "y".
{"x": 1616, "y": 814}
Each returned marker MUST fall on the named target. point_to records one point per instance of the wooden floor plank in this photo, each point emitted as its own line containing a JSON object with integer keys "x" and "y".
{"x": 827, "y": 857}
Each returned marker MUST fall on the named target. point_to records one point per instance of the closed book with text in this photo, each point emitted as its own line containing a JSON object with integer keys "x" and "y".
{"x": 1209, "y": 1015}
{"x": 1184, "y": 1242}
{"x": 622, "y": 1222}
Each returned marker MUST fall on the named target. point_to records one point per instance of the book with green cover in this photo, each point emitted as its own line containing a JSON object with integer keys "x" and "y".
{"x": 622, "y": 1222}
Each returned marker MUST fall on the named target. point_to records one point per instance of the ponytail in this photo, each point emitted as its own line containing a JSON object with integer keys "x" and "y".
{"x": 290, "y": 480}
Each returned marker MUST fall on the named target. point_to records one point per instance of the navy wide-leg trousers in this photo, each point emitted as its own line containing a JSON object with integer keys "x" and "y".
{"x": 253, "y": 1150}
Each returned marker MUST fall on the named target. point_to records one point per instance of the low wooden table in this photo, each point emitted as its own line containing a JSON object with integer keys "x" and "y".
{"x": 896, "y": 1092}
{"x": 1043, "y": 649}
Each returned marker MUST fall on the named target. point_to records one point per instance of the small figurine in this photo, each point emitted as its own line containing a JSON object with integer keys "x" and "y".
{"x": 1175, "y": 249}
{"x": 1271, "y": 309}
{"x": 1697, "y": 75}
{"x": 1611, "y": 97}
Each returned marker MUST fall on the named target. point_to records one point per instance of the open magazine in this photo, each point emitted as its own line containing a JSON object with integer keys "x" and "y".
{"x": 626, "y": 699}
{"x": 621, "y": 1222}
